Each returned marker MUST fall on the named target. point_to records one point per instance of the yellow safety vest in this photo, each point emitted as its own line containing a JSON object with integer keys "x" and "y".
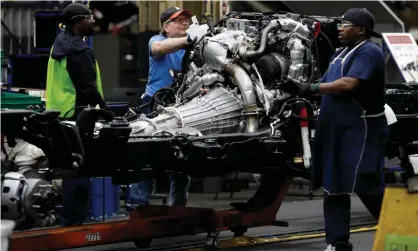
{"x": 60, "y": 91}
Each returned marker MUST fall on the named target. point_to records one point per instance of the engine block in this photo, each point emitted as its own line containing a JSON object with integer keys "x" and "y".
{"x": 232, "y": 78}
{"x": 219, "y": 111}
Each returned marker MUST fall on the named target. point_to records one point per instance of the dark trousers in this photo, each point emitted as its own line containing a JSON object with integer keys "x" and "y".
{"x": 337, "y": 208}
{"x": 140, "y": 192}
{"x": 75, "y": 198}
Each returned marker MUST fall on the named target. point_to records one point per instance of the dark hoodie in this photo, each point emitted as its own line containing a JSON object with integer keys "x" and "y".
{"x": 81, "y": 67}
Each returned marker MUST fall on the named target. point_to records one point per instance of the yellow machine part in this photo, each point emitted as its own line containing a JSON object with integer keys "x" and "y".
{"x": 398, "y": 223}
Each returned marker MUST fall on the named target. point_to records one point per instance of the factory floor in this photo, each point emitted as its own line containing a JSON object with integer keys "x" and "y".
{"x": 360, "y": 241}
{"x": 302, "y": 214}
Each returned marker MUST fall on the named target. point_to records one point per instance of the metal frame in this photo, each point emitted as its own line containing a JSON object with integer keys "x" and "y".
{"x": 150, "y": 222}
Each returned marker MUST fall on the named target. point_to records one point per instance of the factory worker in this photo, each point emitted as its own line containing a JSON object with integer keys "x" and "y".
{"x": 73, "y": 76}
{"x": 166, "y": 51}
{"x": 352, "y": 129}
{"x": 73, "y": 81}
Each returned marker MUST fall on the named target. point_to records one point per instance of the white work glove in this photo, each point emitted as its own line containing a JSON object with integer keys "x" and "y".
{"x": 197, "y": 31}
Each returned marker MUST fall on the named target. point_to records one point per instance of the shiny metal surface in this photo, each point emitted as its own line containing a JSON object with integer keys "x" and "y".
{"x": 297, "y": 55}
{"x": 223, "y": 91}
{"x": 216, "y": 48}
{"x": 219, "y": 111}
{"x": 22, "y": 197}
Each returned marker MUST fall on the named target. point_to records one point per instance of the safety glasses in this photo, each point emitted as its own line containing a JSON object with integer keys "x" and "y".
{"x": 91, "y": 17}
{"x": 179, "y": 21}
{"x": 345, "y": 25}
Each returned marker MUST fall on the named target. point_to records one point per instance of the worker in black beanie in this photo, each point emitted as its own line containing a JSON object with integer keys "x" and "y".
{"x": 73, "y": 82}
{"x": 78, "y": 18}
{"x": 73, "y": 78}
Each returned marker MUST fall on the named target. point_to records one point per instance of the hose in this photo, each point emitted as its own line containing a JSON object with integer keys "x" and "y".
{"x": 243, "y": 53}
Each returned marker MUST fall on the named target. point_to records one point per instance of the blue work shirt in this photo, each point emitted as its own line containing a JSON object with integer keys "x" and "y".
{"x": 159, "y": 75}
{"x": 367, "y": 64}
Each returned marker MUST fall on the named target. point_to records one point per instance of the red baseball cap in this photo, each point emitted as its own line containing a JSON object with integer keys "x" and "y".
{"x": 172, "y": 13}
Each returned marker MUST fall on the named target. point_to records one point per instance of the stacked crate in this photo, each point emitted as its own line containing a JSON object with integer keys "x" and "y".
{"x": 20, "y": 101}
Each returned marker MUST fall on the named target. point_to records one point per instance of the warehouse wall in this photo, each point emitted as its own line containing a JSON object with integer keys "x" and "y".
{"x": 148, "y": 21}
{"x": 386, "y": 19}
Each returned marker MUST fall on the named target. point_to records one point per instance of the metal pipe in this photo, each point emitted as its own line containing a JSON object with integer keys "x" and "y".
{"x": 28, "y": 30}
{"x": 19, "y": 29}
{"x": 244, "y": 83}
{"x": 393, "y": 14}
{"x": 207, "y": 80}
{"x": 245, "y": 54}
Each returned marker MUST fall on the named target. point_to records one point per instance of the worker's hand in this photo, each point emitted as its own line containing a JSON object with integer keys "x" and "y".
{"x": 295, "y": 88}
{"x": 190, "y": 42}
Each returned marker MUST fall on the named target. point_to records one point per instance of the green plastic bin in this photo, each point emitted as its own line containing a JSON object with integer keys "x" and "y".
{"x": 20, "y": 101}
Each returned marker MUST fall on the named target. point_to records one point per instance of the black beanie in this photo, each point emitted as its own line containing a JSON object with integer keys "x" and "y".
{"x": 75, "y": 9}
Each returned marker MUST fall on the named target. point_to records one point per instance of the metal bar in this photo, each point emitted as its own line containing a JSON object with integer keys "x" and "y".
{"x": 28, "y": 31}
{"x": 390, "y": 11}
{"x": 13, "y": 36}
{"x": 19, "y": 30}
{"x": 11, "y": 12}
{"x": 34, "y": 31}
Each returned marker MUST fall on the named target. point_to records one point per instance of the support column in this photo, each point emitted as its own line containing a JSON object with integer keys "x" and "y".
{"x": 148, "y": 20}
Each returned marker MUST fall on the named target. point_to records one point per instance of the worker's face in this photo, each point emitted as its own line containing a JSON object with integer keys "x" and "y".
{"x": 349, "y": 33}
{"x": 177, "y": 27}
{"x": 86, "y": 25}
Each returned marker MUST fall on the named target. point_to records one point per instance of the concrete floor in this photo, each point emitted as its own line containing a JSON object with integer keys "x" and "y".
{"x": 360, "y": 241}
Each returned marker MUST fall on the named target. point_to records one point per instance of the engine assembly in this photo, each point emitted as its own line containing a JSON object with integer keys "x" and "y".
{"x": 231, "y": 80}
{"x": 224, "y": 112}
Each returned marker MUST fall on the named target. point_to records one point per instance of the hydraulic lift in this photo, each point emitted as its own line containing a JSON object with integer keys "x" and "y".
{"x": 153, "y": 221}
{"x": 150, "y": 222}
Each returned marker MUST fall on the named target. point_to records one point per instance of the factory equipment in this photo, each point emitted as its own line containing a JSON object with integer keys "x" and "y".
{"x": 224, "y": 112}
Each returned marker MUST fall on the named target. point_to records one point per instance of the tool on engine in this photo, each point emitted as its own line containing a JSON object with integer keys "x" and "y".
{"x": 209, "y": 21}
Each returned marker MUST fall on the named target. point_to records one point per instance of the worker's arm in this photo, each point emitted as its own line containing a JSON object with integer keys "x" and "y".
{"x": 341, "y": 85}
{"x": 169, "y": 45}
{"x": 361, "y": 69}
{"x": 81, "y": 67}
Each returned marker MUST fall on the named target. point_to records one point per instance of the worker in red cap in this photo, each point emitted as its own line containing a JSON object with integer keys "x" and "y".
{"x": 166, "y": 52}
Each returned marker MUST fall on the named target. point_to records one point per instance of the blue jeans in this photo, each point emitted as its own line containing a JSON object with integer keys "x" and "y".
{"x": 141, "y": 191}
{"x": 179, "y": 186}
